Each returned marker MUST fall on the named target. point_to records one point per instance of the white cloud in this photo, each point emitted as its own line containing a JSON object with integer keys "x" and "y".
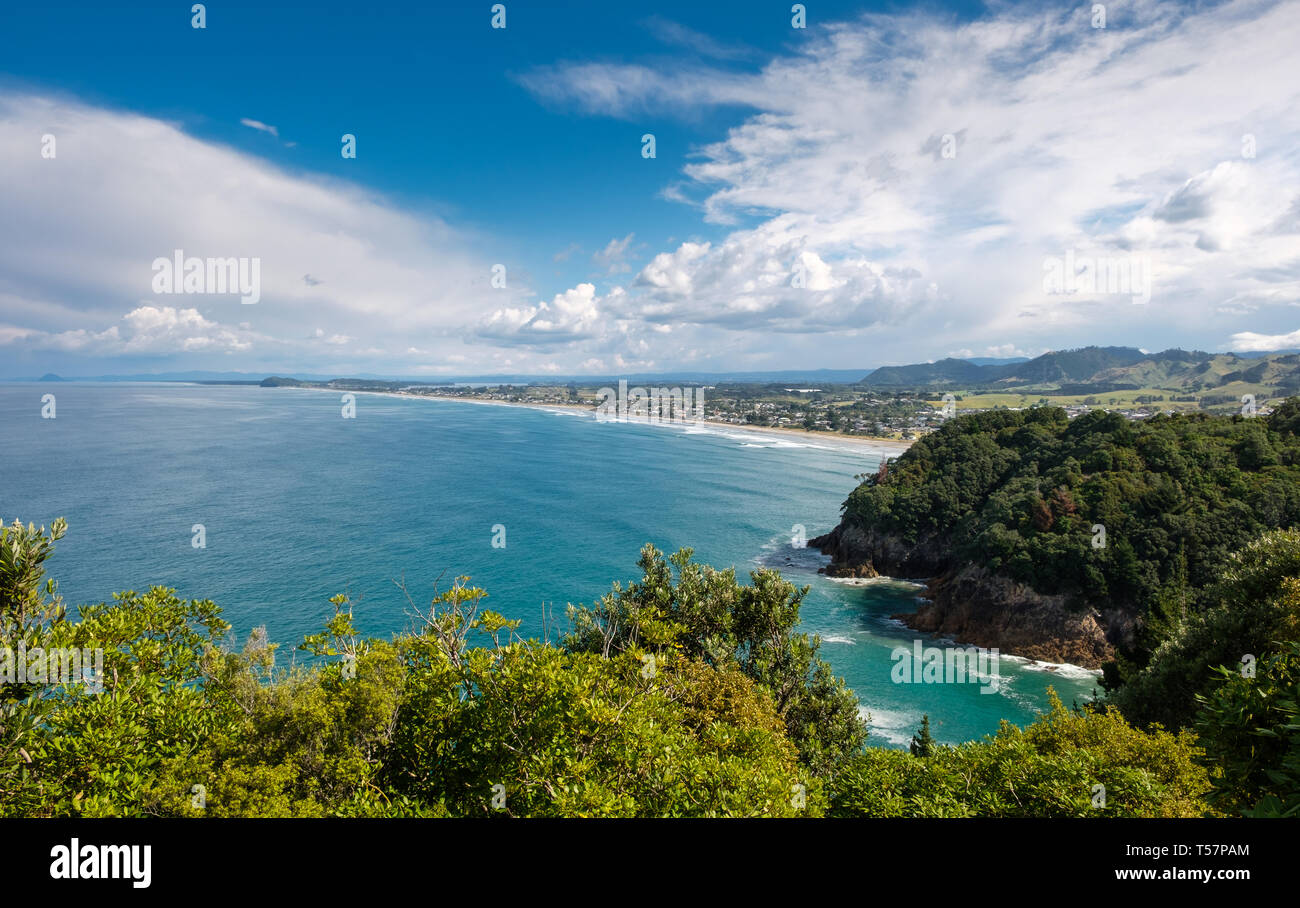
{"x": 148, "y": 330}
{"x": 1126, "y": 141}
{"x": 613, "y": 258}
{"x": 572, "y": 315}
{"x": 677, "y": 34}
{"x": 260, "y": 127}
{"x": 564, "y": 254}
{"x": 770, "y": 279}
{"x": 997, "y": 351}
{"x": 1249, "y": 342}
{"x": 81, "y": 231}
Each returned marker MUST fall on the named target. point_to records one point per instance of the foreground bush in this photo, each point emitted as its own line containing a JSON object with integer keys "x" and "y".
{"x": 428, "y": 724}
{"x": 1050, "y": 769}
{"x": 685, "y": 694}
{"x": 1256, "y": 610}
{"x": 1250, "y": 727}
{"x": 705, "y": 615}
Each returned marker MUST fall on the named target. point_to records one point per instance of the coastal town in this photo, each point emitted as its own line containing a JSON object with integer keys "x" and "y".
{"x": 838, "y": 410}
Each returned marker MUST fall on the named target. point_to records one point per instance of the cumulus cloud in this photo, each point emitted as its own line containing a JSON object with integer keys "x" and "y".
{"x": 770, "y": 279}
{"x": 572, "y": 315}
{"x": 923, "y": 170}
{"x": 885, "y": 189}
{"x": 149, "y": 330}
{"x": 1250, "y": 342}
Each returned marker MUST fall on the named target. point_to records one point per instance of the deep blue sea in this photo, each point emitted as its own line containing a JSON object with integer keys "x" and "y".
{"x": 299, "y": 503}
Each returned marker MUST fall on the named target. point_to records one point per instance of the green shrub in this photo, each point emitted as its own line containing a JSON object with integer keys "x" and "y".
{"x": 1050, "y": 769}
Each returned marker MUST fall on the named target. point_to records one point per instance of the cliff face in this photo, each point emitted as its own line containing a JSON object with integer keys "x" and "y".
{"x": 856, "y": 552}
{"x": 970, "y": 604}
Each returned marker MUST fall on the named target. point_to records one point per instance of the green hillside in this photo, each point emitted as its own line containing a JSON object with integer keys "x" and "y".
{"x": 1210, "y": 380}
{"x": 1022, "y": 492}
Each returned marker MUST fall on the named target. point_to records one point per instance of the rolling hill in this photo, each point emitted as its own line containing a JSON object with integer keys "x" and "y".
{"x": 1104, "y": 369}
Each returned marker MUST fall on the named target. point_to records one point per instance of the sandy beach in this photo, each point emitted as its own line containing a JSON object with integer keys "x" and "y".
{"x": 888, "y": 446}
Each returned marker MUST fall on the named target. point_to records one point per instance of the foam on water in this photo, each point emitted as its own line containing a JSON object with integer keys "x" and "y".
{"x": 879, "y": 581}
{"x": 1060, "y": 669}
{"x": 893, "y": 726}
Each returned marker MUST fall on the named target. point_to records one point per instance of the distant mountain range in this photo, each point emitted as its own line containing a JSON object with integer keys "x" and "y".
{"x": 1065, "y": 365}
{"x": 1101, "y": 366}
{"x": 1100, "y": 369}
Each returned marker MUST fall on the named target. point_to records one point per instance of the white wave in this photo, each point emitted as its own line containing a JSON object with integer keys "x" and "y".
{"x": 779, "y": 553}
{"x": 894, "y": 726}
{"x": 780, "y": 444}
{"x": 838, "y": 639}
{"x": 864, "y": 581}
{"x": 750, "y": 439}
{"x": 1062, "y": 669}
{"x": 881, "y": 580}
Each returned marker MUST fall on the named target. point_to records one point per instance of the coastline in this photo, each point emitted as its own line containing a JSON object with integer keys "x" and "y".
{"x": 888, "y": 446}
{"x": 1064, "y": 668}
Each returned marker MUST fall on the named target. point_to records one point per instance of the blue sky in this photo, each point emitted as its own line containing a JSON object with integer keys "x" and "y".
{"x": 433, "y": 94}
{"x": 822, "y": 151}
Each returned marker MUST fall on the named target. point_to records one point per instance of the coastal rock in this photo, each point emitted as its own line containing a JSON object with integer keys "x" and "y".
{"x": 978, "y": 608}
{"x": 856, "y": 552}
{"x": 971, "y": 604}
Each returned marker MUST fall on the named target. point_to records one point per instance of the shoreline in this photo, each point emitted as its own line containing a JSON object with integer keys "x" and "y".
{"x": 1071, "y": 670}
{"x": 888, "y": 446}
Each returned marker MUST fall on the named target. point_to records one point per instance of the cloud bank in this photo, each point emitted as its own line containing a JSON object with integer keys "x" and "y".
{"x": 891, "y": 190}
{"x": 923, "y": 171}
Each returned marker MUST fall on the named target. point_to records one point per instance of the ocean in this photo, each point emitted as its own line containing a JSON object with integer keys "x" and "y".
{"x": 297, "y": 503}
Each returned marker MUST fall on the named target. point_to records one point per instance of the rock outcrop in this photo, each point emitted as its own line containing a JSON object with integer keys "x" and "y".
{"x": 970, "y": 603}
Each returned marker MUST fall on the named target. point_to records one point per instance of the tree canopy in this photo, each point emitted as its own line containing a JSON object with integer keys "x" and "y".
{"x": 1135, "y": 517}
{"x": 685, "y": 693}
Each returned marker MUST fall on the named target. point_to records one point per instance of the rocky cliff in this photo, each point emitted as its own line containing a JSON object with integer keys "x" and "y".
{"x": 971, "y": 604}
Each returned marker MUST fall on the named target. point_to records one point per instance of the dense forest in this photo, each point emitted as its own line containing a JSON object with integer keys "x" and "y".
{"x": 1139, "y": 518}
{"x": 685, "y": 693}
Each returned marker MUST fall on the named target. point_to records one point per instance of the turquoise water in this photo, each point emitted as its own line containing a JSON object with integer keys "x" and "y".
{"x": 299, "y": 504}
